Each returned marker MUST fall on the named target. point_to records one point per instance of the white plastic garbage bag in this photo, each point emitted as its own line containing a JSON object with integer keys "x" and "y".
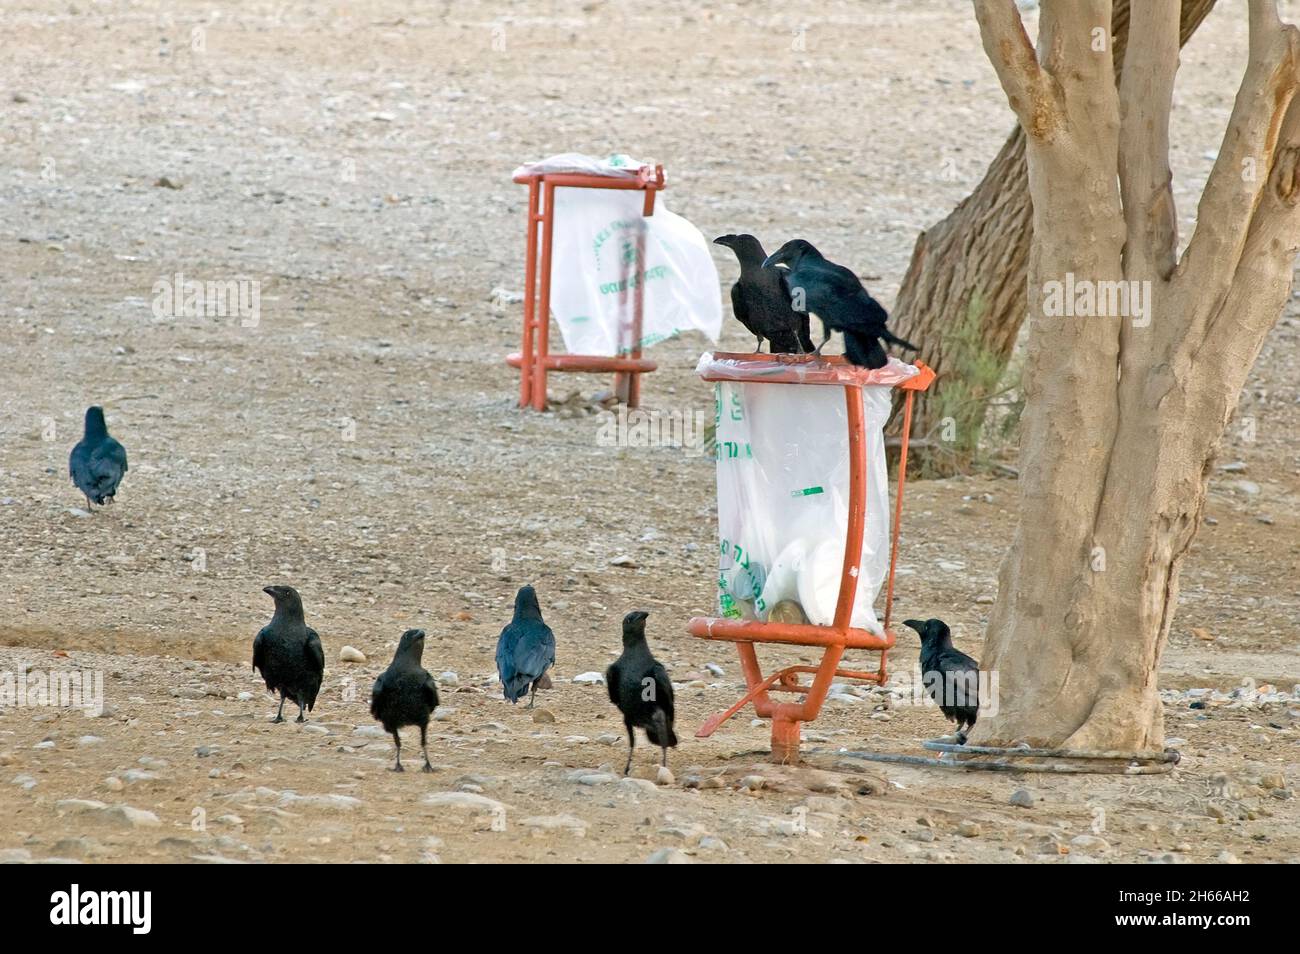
{"x": 783, "y": 499}
{"x": 603, "y": 248}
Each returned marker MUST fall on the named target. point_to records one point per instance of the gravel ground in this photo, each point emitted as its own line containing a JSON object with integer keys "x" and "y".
{"x": 361, "y": 441}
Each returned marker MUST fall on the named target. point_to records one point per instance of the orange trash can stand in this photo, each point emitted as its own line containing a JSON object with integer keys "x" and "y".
{"x": 795, "y": 532}
{"x": 534, "y": 359}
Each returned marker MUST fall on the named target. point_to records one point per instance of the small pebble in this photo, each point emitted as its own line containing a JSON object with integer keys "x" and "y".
{"x": 1021, "y": 797}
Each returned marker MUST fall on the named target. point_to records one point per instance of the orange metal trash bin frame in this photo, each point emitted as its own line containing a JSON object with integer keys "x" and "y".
{"x": 534, "y": 359}
{"x": 839, "y": 636}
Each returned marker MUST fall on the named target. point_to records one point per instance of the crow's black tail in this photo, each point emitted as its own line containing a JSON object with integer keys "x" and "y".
{"x": 901, "y": 342}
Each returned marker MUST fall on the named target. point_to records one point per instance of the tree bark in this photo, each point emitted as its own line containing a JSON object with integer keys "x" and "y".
{"x": 963, "y": 296}
{"x": 1124, "y": 416}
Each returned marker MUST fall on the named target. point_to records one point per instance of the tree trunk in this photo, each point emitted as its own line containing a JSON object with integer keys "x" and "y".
{"x": 1124, "y": 414}
{"x": 963, "y": 297}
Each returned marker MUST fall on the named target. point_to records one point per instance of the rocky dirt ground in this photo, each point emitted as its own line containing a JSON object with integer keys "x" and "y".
{"x": 361, "y": 441}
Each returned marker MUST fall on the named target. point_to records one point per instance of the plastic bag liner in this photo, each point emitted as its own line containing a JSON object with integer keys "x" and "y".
{"x": 617, "y": 164}
{"x": 603, "y": 248}
{"x": 783, "y": 492}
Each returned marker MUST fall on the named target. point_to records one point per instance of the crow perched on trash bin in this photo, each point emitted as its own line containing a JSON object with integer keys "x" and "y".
{"x": 98, "y": 461}
{"x": 288, "y": 654}
{"x": 641, "y": 689}
{"x": 836, "y": 296}
{"x": 760, "y": 301}
{"x": 525, "y": 650}
{"x": 405, "y": 694}
{"x": 949, "y": 675}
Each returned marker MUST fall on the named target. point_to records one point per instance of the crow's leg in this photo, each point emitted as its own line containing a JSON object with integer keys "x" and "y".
{"x": 279, "y": 716}
{"x": 532, "y": 695}
{"x": 90, "y": 504}
{"x": 759, "y": 347}
{"x": 664, "y": 760}
{"x": 397, "y": 740}
{"x": 818, "y": 350}
{"x": 424, "y": 747}
{"x": 631, "y": 744}
{"x": 301, "y": 709}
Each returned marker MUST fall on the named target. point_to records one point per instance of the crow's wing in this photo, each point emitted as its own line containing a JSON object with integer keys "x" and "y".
{"x": 952, "y": 658}
{"x": 663, "y": 689}
{"x": 837, "y": 279}
{"x": 429, "y": 691}
{"x": 80, "y": 471}
{"x": 535, "y": 651}
{"x": 505, "y": 653}
{"x": 115, "y": 452}
{"x": 784, "y": 276}
{"x": 259, "y": 650}
{"x": 965, "y": 676}
{"x": 871, "y": 311}
{"x": 739, "y": 308}
{"x": 377, "y": 694}
{"x": 612, "y": 677}
{"x": 106, "y": 466}
{"x": 314, "y": 652}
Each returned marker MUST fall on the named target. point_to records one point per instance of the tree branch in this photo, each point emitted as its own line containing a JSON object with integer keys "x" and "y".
{"x": 1146, "y": 97}
{"x": 1029, "y": 89}
{"x": 1068, "y": 34}
{"x": 1246, "y": 155}
{"x": 1263, "y": 278}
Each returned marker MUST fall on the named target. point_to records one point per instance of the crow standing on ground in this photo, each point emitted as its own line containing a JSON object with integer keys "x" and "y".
{"x": 98, "y": 461}
{"x": 760, "y": 301}
{"x": 950, "y": 676}
{"x": 836, "y": 296}
{"x": 405, "y": 694}
{"x": 525, "y": 650}
{"x": 641, "y": 689}
{"x": 288, "y": 654}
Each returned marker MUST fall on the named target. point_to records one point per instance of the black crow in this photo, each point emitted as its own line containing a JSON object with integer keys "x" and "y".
{"x": 288, "y": 654}
{"x": 950, "y": 676}
{"x": 405, "y": 694}
{"x": 98, "y": 461}
{"x": 525, "y": 650}
{"x": 760, "y": 301}
{"x": 836, "y": 296}
{"x": 641, "y": 689}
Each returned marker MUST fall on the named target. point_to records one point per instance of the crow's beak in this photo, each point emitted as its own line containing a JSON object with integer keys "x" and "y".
{"x": 774, "y": 259}
{"x": 723, "y": 240}
{"x": 269, "y": 591}
{"x": 915, "y": 624}
{"x": 640, "y": 615}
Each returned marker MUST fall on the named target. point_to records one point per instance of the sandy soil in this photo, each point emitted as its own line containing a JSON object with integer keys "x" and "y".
{"x": 354, "y": 158}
